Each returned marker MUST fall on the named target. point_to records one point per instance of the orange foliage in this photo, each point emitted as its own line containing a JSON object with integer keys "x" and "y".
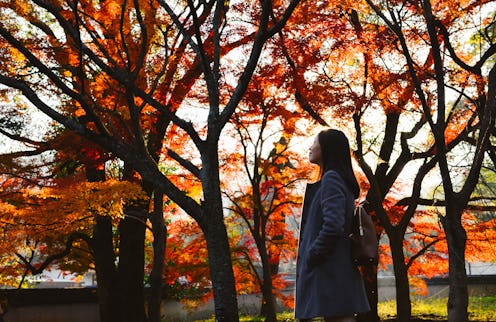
{"x": 72, "y": 204}
{"x": 186, "y": 269}
{"x": 481, "y": 237}
{"x": 39, "y": 213}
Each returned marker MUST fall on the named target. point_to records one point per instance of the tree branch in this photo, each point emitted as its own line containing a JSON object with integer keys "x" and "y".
{"x": 68, "y": 246}
{"x": 185, "y": 163}
{"x": 421, "y": 252}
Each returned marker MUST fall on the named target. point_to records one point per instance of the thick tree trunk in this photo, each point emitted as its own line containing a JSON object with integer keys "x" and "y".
{"x": 104, "y": 257}
{"x": 221, "y": 272}
{"x": 159, "y": 245}
{"x": 106, "y": 275}
{"x": 458, "y": 291}
{"x": 131, "y": 264}
{"x": 403, "y": 303}
{"x": 268, "y": 309}
{"x": 219, "y": 253}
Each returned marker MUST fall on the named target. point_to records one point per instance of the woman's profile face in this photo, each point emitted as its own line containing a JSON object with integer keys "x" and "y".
{"x": 315, "y": 153}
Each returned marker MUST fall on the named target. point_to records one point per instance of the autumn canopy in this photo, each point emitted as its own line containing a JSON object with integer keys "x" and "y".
{"x": 172, "y": 148}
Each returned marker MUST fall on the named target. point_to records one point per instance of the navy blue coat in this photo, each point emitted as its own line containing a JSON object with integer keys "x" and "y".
{"x": 330, "y": 285}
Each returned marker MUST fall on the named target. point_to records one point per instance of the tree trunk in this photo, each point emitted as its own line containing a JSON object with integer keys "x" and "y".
{"x": 268, "y": 308}
{"x": 369, "y": 273}
{"x": 221, "y": 272}
{"x": 219, "y": 253}
{"x": 403, "y": 303}
{"x": 131, "y": 264}
{"x": 159, "y": 245}
{"x": 456, "y": 238}
{"x": 106, "y": 275}
{"x": 104, "y": 257}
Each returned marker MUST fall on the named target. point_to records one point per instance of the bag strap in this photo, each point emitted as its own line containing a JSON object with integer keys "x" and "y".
{"x": 360, "y": 208}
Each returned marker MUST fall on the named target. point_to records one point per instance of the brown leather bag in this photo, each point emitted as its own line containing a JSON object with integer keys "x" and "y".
{"x": 364, "y": 243}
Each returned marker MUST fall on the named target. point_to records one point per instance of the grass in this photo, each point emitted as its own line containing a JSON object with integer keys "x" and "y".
{"x": 480, "y": 309}
{"x": 432, "y": 307}
{"x": 281, "y": 317}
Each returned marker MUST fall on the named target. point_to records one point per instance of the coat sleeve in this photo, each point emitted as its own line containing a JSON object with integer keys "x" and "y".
{"x": 333, "y": 205}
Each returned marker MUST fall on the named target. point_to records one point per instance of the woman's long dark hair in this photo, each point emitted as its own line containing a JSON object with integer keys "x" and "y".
{"x": 336, "y": 156}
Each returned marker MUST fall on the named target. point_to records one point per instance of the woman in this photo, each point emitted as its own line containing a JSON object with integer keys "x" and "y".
{"x": 328, "y": 284}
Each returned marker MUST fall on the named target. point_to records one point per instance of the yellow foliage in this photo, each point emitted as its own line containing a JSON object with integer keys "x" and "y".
{"x": 105, "y": 198}
{"x": 37, "y": 220}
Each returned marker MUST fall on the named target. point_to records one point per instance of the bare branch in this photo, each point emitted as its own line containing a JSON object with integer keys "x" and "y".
{"x": 185, "y": 163}
{"x": 68, "y": 246}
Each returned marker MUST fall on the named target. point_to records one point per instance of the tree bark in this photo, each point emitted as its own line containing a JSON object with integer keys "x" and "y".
{"x": 131, "y": 264}
{"x": 456, "y": 238}
{"x": 268, "y": 308}
{"x": 219, "y": 253}
{"x": 221, "y": 273}
{"x": 106, "y": 275}
{"x": 159, "y": 245}
{"x": 403, "y": 303}
{"x": 104, "y": 257}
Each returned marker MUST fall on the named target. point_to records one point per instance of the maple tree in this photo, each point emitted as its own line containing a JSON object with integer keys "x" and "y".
{"x": 263, "y": 203}
{"x": 85, "y": 208}
{"x": 385, "y": 179}
{"x": 363, "y": 79}
{"x": 438, "y": 26}
{"x": 95, "y": 212}
{"x": 111, "y": 70}
{"x": 327, "y": 91}
{"x": 259, "y": 185}
{"x": 398, "y": 90}
{"x": 123, "y": 76}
